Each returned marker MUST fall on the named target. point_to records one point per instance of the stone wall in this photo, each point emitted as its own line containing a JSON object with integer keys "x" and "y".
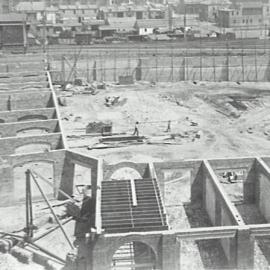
{"x": 27, "y": 115}
{"x": 9, "y": 163}
{"x": 10, "y": 146}
{"x": 12, "y": 129}
{"x": 23, "y": 101}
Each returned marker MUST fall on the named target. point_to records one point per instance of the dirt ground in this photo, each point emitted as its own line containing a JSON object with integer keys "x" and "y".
{"x": 208, "y": 120}
{"x": 14, "y": 222}
{"x": 184, "y": 214}
{"x": 232, "y": 120}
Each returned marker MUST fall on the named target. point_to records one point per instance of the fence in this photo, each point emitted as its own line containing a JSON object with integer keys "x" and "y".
{"x": 167, "y": 65}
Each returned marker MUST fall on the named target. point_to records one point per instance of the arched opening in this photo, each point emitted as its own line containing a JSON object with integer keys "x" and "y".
{"x": 134, "y": 255}
{"x": 126, "y": 173}
{"x": 32, "y": 117}
{"x": 43, "y": 168}
{"x": 33, "y": 148}
{"x": 31, "y": 132}
{"x": 2, "y": 121}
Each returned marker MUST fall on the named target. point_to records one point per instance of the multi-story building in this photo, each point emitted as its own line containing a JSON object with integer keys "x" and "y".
{"x": 208, "y": 9}
{"x": 132, "y": 11}
{"x": 249, "y": 14}
{"x": 13, "y": 30}
{"x": 6, "y": 6}
{"x": 77, "y": 12}
{"x": 122, "y": 12}
{"x": 34, "y": 10}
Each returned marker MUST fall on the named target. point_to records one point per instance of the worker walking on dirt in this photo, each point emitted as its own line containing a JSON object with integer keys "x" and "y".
{"x": 136, "y": 129}
{"x": 9, "y": 103}
{"x": 169, "y": 126}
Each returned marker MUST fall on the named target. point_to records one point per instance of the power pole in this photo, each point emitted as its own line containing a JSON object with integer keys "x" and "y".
{"x": 114, "y": 66}
{"x": 227, "y": 78}
{"x": 214, "y": 63}
{"x": 256, "y": 65}
{"x": 242, "y": 60}
{"x": 10, "y": 6}
{"x": 265, "y": 27}
{"x": 87, "y": 69}
{"x": 201, "y": 58}
{"x": 44, "y": 31}
{"x": 63, "y": 69}
{"x": 185, "y": 24}
{"x": 172, "y": 64}
{"x": 156, "y": 61}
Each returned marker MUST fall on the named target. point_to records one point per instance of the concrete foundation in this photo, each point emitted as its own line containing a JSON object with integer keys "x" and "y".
{"x": 22, "y": 111}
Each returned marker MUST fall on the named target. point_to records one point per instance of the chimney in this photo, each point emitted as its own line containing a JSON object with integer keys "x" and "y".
{"x": 170, "y": 17}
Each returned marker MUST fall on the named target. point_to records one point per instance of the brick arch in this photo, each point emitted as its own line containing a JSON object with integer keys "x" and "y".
{"x": 32, "y": 117}
{"x": 152, "y": 241}
{"x": 32, "y": 160}
{"x": 29, "y": 129}
{"x": 109, "y": 170}
{"x": 44, "y": 167}
{"x": 44, "y": 144}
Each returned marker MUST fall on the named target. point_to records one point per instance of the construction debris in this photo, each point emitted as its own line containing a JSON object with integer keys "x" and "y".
{"x": 80, "y": 87}
{"x": 101, "y": 86}
{"x": 126, "y": 80}
{"x": 114, "y": 101}
{"x": 62, "y": 101}
{"x": 192, "y": 123}
{"x": 250, "y": 130}
{"x": 6, "y": 243}
{"x": 104, "y": 128}
{"x": 22, "y": 254}
{"x": 122, "y": 139}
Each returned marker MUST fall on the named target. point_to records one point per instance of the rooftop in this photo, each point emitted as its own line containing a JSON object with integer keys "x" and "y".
{"x": 77, "y": 6}
{"x": 153, "y": 23}
{"x": 123, "y": 23}
{"x": 30, "y": 6}
{"x": 158, "y": 23}
{"x": 12, "y": 17}
{"x": 116, "y": 8}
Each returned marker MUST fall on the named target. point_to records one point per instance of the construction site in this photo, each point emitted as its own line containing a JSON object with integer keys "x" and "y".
{"x": 112, "y": 169}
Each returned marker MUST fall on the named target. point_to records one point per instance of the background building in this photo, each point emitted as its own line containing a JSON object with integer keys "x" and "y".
{"x": 13, "y": 30}
{"x": 245, "y": 14}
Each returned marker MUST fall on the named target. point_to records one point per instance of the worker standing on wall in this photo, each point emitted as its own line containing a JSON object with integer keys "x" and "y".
{"x": 136, "y": 129}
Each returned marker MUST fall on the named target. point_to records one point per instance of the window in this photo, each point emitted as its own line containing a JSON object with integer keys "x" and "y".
{"x": 234, "y": 21}
{"x": 243, "y": 21}
{"x": 145, "y": 29}
{"x": 260, "y": 20}
{"x": 250, "y": 20}
{"x": 237, "y": 13}
{"x": 232, "y": 13}
{"x": 74, "y": 11}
